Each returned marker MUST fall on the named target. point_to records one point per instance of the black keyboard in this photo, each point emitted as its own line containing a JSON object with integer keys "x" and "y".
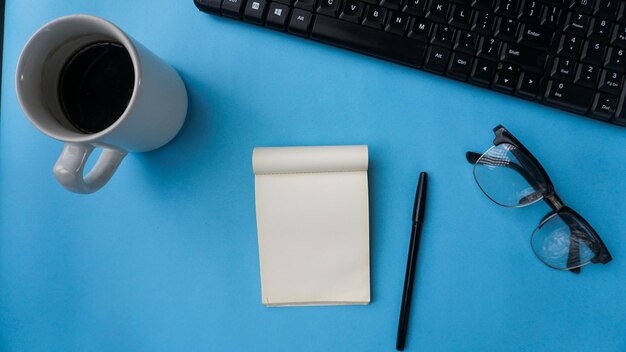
{"x": 568, "y": 54}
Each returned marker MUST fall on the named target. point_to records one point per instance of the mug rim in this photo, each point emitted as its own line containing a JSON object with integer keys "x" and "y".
{"x": 119, "y": 35}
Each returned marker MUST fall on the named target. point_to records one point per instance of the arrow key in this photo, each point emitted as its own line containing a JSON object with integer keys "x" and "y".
{"x": 482, "y": 72}
{"x": 504, "y": 82}
{"x": 528, "y": 85}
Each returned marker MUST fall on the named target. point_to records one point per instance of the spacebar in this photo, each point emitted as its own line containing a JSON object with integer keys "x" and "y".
{"x": 368, "y": 41}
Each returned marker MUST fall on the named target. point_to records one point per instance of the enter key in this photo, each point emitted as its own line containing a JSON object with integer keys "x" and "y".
{"x": 536, "y": 36}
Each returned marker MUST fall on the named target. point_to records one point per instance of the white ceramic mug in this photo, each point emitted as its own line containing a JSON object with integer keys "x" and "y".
{"x": 154, "y": 115}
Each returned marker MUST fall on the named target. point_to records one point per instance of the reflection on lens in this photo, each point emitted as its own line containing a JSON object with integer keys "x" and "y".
{"x": 507, "y": 177}
{"x": 562, "y": 242}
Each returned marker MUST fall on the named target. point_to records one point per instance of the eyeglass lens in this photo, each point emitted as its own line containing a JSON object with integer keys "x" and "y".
{"x": 508, "y": 178}
{"x": 561, "y": 241}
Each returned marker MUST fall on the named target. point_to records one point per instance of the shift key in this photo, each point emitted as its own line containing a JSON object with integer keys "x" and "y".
{"x": 526, "y": 57}
{"x": 568, "y": 96}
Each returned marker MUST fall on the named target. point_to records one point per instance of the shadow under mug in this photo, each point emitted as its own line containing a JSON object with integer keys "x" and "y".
{"x": 154, "y": 115}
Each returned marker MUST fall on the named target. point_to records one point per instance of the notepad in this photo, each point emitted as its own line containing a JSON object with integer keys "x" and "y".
{"x": 312, "y": 214}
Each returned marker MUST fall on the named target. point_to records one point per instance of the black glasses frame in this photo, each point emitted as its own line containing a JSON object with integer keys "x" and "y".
{"x": 503, "y": 136}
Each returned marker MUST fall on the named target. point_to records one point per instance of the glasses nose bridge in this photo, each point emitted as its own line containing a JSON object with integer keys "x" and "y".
{"x": 554, "y": 201}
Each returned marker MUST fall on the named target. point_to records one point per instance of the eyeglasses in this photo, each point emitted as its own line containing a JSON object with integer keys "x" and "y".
{"x": 511, "y": 176}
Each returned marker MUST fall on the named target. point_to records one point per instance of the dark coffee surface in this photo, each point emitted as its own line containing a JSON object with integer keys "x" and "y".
{"x": 96, "y": 85}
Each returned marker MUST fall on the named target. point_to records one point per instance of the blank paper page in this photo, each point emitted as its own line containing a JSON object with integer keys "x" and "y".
{"x": 313, "y": 225}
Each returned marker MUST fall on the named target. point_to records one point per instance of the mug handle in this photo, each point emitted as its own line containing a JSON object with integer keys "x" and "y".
{"x": 69, "y": 168}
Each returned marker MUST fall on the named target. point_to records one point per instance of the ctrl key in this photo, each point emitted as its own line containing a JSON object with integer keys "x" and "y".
{"x": 568, "y": 96}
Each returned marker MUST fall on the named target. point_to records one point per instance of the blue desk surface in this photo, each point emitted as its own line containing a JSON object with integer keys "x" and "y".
{"x": 165, "y": 257}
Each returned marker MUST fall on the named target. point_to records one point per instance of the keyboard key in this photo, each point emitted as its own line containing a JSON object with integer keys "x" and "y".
{"x": 438, "y": 11}
{"x": 484, "y": 23}
{"x": 442, "y": 35}
{"x": 420, "y": 29}
{"x": 536, "y": 36}
{"x": 531, "y": 12}
{"x": 550, "y": 16}
{"x": 460, "y": 16}
{"x": 329, "y": 7}
{"x": 568, "y": 96}
{"x": 570, "y": 46}
{"x": 209, "y": 6}
{"x": 620, "y": 116}
{"x": 619, "y": 36}
{"x": 507, "y": 29}
{"x": 466, "y": 42}
{"x": 300, "y": 22}
{"x": 611, "y": 82}
{"x": 482, "y": 72}
{"x": 528, "y": 85}
{"x": 352, "y": 11}
{"x": 392, "y": 4}
{"x": 254, "y": 11}
{"x": 489, "y": 48}
{"x": 232, "y": 8}
{"x": 582, "y": 6}
{"x": 564, "y": 69}
{"x": 415, "y": 7}
{"x": 368, "y": 41}
{"x": 526, "y": 57}
{"x": 460, "y": 66}
{"x": 277, "y": 15}
{"x": 604, "y": 106}
{"x": 587, "y": 75}
{"x": 308, "y": 5}
{"x": 616, "y": 59}
{"x": 509, "y": 68}
{"x": 507, "y": 8}
{"x": 437, "y": 59}
{"x": 504, "y": 82}
{"x": 577, "y": 24}
{"x": 606, "y": 9}
{"x": 600, "y": 30}
{"x": 397, "y": 23}
{"x": 375, "y": 17}
{"x": 593, "y": 53}
{"x": 485, "y": 5}
{"x": 286, "y": 2}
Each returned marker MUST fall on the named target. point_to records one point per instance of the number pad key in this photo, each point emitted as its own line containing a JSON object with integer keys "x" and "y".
{"x": 611, "y": 82}
{"x": 619, "y": 36}
{"x": 587, "y": 75}
{"x": 600, "y": 29}
{"x": 604, "y": 106}
{"x": 593, "y": 53}
{"x": 577, "y": 24}
{"x": 616, "y": 59}
{"x": 570, "y": 46}
{"x": 564, "y": 69}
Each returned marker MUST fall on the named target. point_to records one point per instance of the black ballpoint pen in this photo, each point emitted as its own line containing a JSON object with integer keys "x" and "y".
{"x": 416, "y": 230}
